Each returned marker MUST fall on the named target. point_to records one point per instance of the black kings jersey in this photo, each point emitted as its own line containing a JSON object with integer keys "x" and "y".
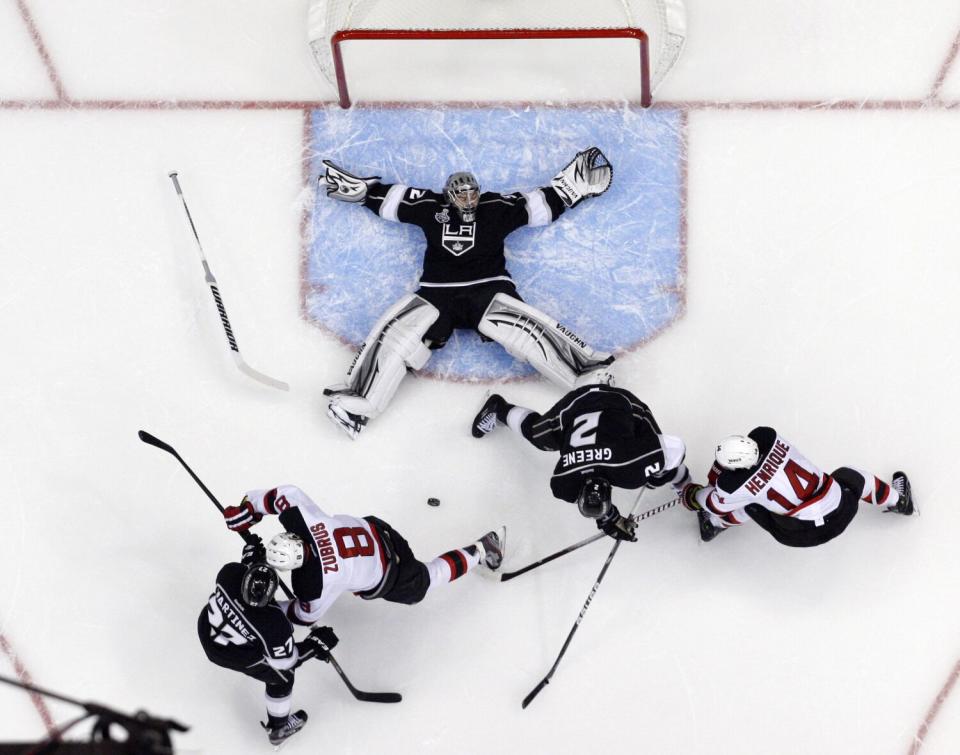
{"x": 599, "y": 431}
{"x": 239, "y": 636}
{"x": 460, "y": 253}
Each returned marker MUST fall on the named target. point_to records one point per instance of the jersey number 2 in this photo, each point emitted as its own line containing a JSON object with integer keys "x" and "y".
{"x": 585, "y": 430}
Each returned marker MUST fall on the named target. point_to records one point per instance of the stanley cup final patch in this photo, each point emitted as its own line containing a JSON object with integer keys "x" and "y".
{"x": 458, "y": 239}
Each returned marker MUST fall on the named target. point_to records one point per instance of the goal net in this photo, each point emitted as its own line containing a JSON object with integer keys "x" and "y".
{"x": 466, "y": 50}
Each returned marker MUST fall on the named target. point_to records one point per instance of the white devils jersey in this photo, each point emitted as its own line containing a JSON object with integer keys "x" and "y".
{"x": 784, "y": 482}
{"x": 343, "y": 553}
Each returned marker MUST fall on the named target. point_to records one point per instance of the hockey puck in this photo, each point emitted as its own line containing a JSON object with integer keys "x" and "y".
{"x": 433, "y": 502}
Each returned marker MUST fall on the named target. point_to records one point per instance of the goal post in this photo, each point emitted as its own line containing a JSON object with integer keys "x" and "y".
{"x": 560, "y": 40}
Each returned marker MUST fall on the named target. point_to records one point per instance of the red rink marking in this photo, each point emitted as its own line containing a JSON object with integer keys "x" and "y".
{"x": 42, "y": 50}
{"x": 24, "y": 676}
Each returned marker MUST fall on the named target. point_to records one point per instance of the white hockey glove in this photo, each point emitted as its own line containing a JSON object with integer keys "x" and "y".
{"x": 345, "y": 186}
{"x": 588, "y": 175}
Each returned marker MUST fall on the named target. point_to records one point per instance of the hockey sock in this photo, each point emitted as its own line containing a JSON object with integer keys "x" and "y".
{"x": 876, "y": 491}
{"x": 452, "y": 565}
{"x": 278, "y": 709}
{"x": 516, "y": 416}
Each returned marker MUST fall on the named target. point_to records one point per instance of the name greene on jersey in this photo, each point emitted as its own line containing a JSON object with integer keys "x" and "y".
{"x": 777, "y": 456}
{"x": 586, "y": 455}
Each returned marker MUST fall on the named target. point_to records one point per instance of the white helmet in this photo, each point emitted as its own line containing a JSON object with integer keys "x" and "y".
{"x": 285, "y": 551}
{"x": 600, "y": 376}
{"x": 737, "y": 452}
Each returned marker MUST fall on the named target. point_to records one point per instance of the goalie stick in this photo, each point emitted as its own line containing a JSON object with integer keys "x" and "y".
{"x": 212, "y": 282}
{"x": 367, "y": 697}
{"x": 592, "y": 539}
{"x": 576, "y": 625}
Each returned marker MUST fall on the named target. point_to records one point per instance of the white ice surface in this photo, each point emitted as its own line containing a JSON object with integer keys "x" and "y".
{"x": 823, "y": 270}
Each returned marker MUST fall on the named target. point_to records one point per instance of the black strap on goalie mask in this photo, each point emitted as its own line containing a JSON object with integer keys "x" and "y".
{"x": 258, "y": 585}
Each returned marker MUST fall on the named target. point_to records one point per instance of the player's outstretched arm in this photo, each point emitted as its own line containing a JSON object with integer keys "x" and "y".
{"x": 345, "y": 186}
{"x": 589, "y": 174}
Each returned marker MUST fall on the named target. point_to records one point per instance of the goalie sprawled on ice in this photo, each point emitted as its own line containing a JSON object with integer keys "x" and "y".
{"x": 464, "y": 283}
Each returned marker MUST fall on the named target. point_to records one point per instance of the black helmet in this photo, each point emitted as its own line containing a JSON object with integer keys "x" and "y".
{"x": 258, "y": 585}
{"x": 595, "y": 497}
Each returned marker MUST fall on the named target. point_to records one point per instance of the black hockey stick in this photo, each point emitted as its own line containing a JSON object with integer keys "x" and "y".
{"x": 225, "y": 321}
{"x": 593, "y": 591}
{"x": 593, "y": 538}
{"x": 367, "y": 697}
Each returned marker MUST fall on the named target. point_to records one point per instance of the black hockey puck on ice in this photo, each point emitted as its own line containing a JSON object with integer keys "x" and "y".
{"x": 433, "y": 502}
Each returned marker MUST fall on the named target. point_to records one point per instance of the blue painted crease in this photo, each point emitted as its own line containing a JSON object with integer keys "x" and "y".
{"x": 611, "y": 269}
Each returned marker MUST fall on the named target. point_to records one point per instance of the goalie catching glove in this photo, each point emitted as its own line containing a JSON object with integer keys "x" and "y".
{"x": 588, "y": 175}
{"x": 345, "y": 186}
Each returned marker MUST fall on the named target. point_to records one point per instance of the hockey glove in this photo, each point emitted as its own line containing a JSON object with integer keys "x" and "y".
{"x": 345, "y": 186}
{"x": 618, "y": 527}
{"x": 588, "y": 175}
{"x": 241, "y": 518}
{"x": 318, "y": 643}
{"x": 688, "y": 496}
{"x": 253, "y": 551}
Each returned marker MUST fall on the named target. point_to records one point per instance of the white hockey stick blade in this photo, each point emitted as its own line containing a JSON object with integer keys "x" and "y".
{"x": 258, "y": 376}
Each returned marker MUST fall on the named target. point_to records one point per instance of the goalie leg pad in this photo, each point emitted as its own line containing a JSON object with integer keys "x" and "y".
{"x": 394, "y": 344}
{"x": 555, "y": 351}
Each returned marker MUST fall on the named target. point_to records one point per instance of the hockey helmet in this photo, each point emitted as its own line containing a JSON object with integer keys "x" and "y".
{"x": 463, "y": 192}
{"x": 258, "y": 585}
{"x": 285, "y": 551}
{"x": 595, "y": 497}
{"x": 737, "y": 452}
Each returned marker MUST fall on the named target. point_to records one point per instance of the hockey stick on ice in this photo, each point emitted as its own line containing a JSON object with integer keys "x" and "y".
{"x": 593, "y": 591}
{"x": 367, "y": 697}
{"x": 592, "y": 539}
{"x": 212, "y": 282}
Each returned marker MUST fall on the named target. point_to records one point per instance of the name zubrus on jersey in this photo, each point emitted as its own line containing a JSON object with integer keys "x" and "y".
{"x": 585, "y": 455}
{"x": 778, "y": 454}
{"x": 572, "y": 336}
{"x": 327, "y": 554}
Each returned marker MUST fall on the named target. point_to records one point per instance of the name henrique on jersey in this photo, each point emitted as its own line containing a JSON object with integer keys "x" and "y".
{"x": 599, "y": 430}
{"x": 343, "y": 553}
{"x": 242, "y": 636}
{"x": 784, "y": 481}
{"x": 460, "y": 253}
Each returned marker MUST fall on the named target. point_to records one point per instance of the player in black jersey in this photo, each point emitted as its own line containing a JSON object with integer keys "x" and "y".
{"x": 606, "y": 437}
{"x": 464, "y": 283}
{"x": 243, "y": 629}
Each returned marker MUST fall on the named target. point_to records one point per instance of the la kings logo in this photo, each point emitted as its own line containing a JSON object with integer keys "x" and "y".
{"x": 458, "y": 239}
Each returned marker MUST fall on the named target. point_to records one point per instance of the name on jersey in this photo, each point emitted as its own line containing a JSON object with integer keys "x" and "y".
{"x": 778, "y": 454}
{"x": 585, "y": 455}
{"x": 325, "y": 547}
{"x": 236, "y": 621}
{"x": 458, "y": 239}
{"x": 572, "y": 336}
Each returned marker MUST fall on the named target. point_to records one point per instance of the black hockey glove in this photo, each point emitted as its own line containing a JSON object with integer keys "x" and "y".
{"x": 253, "y": 551}
{"x": 318, "y": 643}
{"x": 618, "y": 527}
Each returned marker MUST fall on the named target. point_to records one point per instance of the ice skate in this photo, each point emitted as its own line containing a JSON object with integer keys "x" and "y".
{"x": 489, "y": 415}
{"x": 708, "y": 531}
{"x": 349, "y": 422}
{"x": 491, "y": 547}
{"x": 280, "y": 734}
{"x": 901, "y": 483}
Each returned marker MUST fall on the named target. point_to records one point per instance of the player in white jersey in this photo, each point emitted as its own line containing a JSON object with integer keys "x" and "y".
{"x": 332, "y": 554}
{"x": 764, "y": 477}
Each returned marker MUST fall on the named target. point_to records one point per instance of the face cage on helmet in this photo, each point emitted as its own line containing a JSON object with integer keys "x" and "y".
{"x": 259, "y": 585}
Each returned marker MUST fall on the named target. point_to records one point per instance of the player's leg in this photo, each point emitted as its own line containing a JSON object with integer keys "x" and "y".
{"x": 395, "y": 344}
{"x": 870, "y": 489}
{"x": 674, "y": 470}
{"x": 554, "y": 350}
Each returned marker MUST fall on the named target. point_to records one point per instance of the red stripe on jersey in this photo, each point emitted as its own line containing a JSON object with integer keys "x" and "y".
{"x": 827, "y": 484}
{"x": 713, "y": 508}
{"x": 448, "y": 557}
{"x": 270, "y": 500}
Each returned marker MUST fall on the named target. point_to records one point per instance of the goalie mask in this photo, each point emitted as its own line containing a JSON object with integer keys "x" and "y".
{"x": 258, "y": 585}
{"x": 463, "y": 192}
